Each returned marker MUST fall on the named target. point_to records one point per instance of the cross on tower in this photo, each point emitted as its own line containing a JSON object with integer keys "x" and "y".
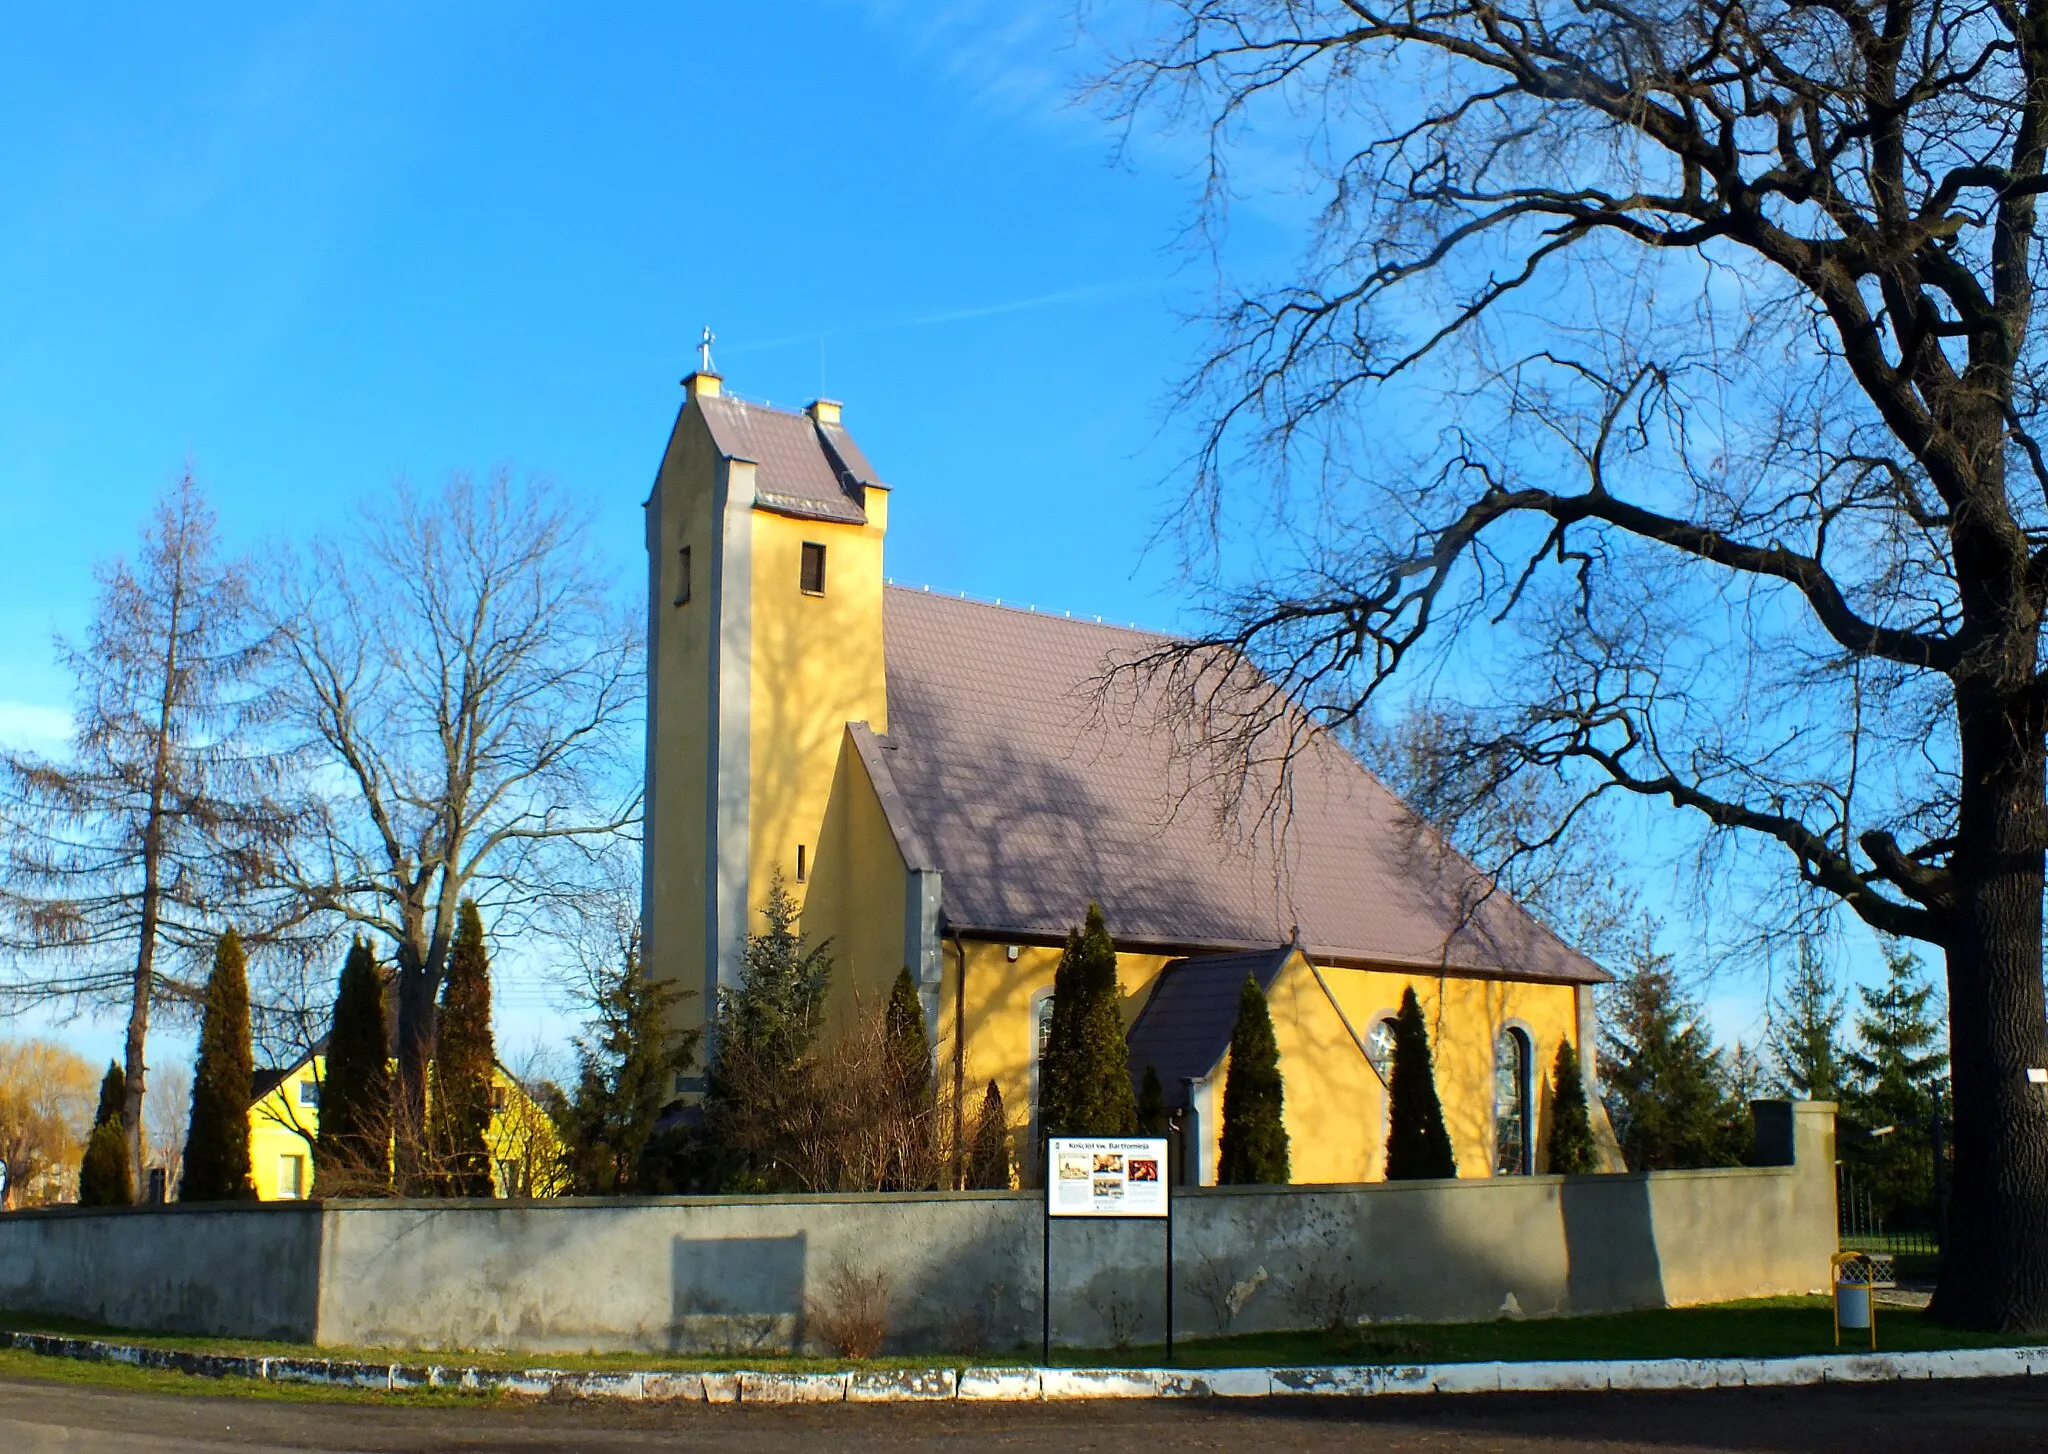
{"x": 704, "y": 351}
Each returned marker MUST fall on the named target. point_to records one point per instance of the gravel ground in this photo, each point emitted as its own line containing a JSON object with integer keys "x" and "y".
{"x": 1867, "y": 1419}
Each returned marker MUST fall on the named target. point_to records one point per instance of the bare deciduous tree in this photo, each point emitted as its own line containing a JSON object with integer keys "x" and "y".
{"x": 459, "y": 670}
{"x": 1737, "y": 501}
{"x": 163, "y": 817}
{"x": 166, "y": 1113}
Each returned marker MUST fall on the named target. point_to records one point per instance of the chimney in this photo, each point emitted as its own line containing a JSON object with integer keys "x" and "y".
{"x": 823, "y": 411}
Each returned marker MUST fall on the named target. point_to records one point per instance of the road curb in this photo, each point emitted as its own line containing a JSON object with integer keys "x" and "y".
{"x": 1034, "y": 1385}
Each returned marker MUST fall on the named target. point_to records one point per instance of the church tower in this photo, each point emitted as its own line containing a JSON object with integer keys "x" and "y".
{"x": 764, "y": 640}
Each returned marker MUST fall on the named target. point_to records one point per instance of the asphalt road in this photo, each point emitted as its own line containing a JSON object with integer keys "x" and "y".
{"x": 1871, "y": 1419}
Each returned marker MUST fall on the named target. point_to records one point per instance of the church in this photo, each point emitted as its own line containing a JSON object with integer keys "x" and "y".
{"x": 946, "y": 784}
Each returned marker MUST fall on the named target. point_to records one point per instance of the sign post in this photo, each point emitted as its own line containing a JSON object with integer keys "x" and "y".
{"x": 1106, "y": 1176}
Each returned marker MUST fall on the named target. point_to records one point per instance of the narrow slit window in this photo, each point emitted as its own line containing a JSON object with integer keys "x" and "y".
{"x": 802, "y": 869}
{"x": 813, "y": 572}
{"x": 683, "y": 576}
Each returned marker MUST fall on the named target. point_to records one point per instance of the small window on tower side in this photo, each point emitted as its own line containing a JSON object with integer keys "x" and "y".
{"x": 813, "y": 581}
{"x": 802, "y": 868}
{"x": 683, "y": 576}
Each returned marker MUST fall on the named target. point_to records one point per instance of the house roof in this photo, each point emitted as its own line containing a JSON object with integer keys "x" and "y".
{"x": 1033, "y": 795}
{"x": 1185, "y": 1026}
{"x": 801, "y": 467}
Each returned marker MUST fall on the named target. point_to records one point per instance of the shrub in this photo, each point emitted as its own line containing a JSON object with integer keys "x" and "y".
{"x": 105, "y": 1178}
{"x": 852, "y": 1318}
{"x": 1571, "y": 1122}
{"x": 1254, "y": 1140}
{"x": 353, "y": 1154}
{"x": 988, "y": 1160}
{"x": 217, "y": 1145}
{"x": 1418, "y": 1146}
{"x": 1086, "y": 1073}
{"x": 1152, "y": 1119}
{"x": 465, "y": 1065}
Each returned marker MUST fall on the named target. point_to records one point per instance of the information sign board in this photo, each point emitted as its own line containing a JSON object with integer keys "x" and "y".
{"x": 1107, "y": 1176}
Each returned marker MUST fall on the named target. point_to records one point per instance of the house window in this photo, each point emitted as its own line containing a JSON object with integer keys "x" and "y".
{"x": 802, "y": 869}
{"x": 1379, "y": 1047}
{"x": 497, "y": 1099}
{"x": 1041, "y": 1036}
{"x": 291, "y": 1178}
{"x": 683, "y": 576}
{"x": 813, "y": 575}
{"x": 309, "y": 1093}
{"x": 1513, "y": 1104}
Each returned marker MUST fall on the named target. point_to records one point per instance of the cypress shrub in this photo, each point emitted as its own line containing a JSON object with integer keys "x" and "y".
{"x": 1571, "y": 1123}
{"x": 626, "y": 1074}
{"x": 910, "y": 1054}
{"x": 217, "y": 1145}
{"x": 464, "y": 1061}
{"x": 1151, "y": 1105}
{"x": 1254, "y": 1142}
{"x": 988, "y": 1160}
{"x": 353, "y": 1155}
{"x": 104, "y": 1178}
{"x": 1418, "y": 1146}
{"x": 1086, "y": 1076}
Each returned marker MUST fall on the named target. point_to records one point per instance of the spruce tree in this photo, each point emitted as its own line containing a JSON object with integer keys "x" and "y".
{"x": 353, "y": 1153}
{"x": 217, "y": 1145}
{"x": 1668, "y": 1089}
{"x": 1254, "y": 1141}
{"x": 1418, "y": 1145}
{"x": 626, "y": 1077}
{"x": 1571, "y": 1149}
{"x": 988, "y": 1160}
{"x": 1897, "y": 1070}
{"x": 104, "y": 1178}
{"x": 1151, "y": 1105}
{"x": 1085, "y": 1078}
{"x": 1805, "y": 1036}
{"x": 465, "y": 1065}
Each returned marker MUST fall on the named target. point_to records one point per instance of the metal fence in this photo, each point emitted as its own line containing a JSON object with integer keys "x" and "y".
{"x": 1862, "y": 1228}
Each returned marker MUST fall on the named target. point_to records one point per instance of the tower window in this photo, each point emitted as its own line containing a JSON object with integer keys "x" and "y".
{"x": 801, "y": 866}
{"x": 683, "y": 576}
{"x": 813, "y": 574}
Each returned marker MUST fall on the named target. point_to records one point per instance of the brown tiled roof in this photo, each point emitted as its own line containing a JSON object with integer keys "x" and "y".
{"x": 1031, "y": 801}
{"x": 801, "y": 469}
{"x": 1185, "y": 1026}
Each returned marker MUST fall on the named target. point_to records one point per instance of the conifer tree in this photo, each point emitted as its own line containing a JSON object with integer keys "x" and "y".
{"x": 1418, "y": 1145}
{"x": 988, "y": 1161}
{"x": 1254, "y": 1142}
{"x": 103, "y": 1176}
{"x": 1898, "y": 1070}
{"x": 626, "y": 1077}
{"x": 1571, "y": 1148}
{"x": 465, "y": 1063}
{"x": 353, "y": 1154}
{"x": 1668, "y": 1089}
{"x": 910, "y": 1054}
{"x": 1086, "y": 1074}
{"x": 1151, "y": 1105}
{"x": 217, "y": 1145}
{"x": 1805, "y": 1037}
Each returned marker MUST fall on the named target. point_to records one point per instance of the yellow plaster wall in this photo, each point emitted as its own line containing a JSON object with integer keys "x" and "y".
{"x": 279, "y": 1127}
{"x": 856, "y": 893}
{"x": 817, "y": 665}
{"x": 1334, "y": 1106}
{"x": 1465, "y": 1017}
{"x": 1000, "y": 1033}
{"x": 681, "y": 514}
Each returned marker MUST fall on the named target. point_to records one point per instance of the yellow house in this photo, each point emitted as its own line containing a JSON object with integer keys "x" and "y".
{"x": 284, "y": 1124}
{"x": 946, "y": 784}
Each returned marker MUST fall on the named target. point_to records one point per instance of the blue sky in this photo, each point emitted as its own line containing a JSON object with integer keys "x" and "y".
{"x": 313, "y": 249}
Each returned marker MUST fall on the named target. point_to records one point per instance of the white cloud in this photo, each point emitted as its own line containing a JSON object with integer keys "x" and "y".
{"x": 34, "y": 727}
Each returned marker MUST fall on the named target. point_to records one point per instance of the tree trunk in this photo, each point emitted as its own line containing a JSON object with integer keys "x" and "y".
{"x": 1994, "y": 1272}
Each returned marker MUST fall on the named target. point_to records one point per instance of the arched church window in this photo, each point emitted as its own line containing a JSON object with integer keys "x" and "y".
{"x": 1513, "y": 1104}
{"x": 1379, "y": 1046}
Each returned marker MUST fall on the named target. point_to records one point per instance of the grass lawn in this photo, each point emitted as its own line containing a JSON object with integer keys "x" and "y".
{"x": 1765, "y": 1327}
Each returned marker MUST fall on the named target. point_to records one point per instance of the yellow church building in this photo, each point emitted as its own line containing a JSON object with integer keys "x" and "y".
{"x": 943, "y": 784}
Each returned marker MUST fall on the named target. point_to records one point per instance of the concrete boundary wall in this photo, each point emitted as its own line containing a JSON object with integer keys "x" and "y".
{"x": 737, "y": 1277}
